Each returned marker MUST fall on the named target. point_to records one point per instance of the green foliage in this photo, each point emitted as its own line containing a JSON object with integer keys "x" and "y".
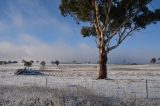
{"x": 88, "y": 31}
{"x": 137, "y": 12}
{"x": 79, "y": 9}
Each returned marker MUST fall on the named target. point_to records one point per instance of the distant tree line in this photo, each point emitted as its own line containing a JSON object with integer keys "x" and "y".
{"x": 42, "y": 63}
{"x": 9, "y": 62}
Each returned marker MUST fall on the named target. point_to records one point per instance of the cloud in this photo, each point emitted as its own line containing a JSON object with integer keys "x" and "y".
{"x": 26, "y": 19}
{"x": 34, "y": 49}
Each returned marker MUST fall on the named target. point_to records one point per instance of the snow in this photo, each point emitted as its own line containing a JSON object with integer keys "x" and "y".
{"x": 126, "y": 81}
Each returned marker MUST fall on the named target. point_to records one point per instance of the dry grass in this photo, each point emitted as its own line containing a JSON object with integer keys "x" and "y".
{"x": 69, "y": 96}
{"x": 36, "y": 96}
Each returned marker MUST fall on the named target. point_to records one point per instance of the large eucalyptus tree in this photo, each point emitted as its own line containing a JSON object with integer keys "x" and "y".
{"x": 110, "y": 22}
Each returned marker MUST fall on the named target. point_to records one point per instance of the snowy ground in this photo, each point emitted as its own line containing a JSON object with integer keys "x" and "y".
{"x": 126, "y": 81}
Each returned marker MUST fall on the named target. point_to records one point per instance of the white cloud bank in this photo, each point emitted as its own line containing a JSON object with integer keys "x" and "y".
{"x": 31, "y": 48}
{"x": 34, "y": 49}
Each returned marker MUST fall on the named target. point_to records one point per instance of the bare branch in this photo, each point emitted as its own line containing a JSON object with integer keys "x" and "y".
{"x": 121, "y": 34}
{"x": 107, "y": 8}
{"x": 122, "y": 37}
{"x": 118, "y": 29}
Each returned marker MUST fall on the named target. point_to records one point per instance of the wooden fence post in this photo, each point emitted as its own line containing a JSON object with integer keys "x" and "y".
{"x": 46, "y": 82}
{"x": 147, "y": 88}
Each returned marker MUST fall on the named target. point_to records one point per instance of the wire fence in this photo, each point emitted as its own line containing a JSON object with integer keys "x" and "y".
{"x": 136, "y": 88}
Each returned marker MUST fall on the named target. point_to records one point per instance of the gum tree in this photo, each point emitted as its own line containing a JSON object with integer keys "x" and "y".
{"x": 110, "y": 22}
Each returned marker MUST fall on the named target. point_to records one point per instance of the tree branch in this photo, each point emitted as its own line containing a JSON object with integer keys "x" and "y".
{"x": 97, "y": 21}
{"x": 117, "y": 30}
{"x": 96, "y": 25}
{"x": 107, "y": 8}
{"x": 124, "y": 22}
{"x": 122, "y": 37}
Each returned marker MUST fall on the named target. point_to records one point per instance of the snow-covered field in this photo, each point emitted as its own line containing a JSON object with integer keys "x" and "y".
{"x": 134, "y": 84}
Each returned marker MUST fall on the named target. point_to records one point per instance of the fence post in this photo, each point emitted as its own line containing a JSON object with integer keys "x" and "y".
{"x": 147, "y": 88}
{"x": 46, "y": 82}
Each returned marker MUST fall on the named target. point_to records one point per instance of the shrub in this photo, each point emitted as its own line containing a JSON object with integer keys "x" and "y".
{"x": 43, "y": 63}
{"x": 57, "y": 62}
{"x": 27, "y": 64}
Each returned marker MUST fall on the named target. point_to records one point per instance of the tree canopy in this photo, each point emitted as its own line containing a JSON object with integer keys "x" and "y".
{"x": 115, "y": 17}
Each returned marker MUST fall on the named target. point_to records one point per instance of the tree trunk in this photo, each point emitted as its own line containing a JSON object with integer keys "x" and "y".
{"x": 102, "y": 63}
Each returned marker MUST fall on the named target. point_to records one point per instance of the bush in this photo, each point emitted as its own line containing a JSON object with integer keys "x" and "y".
{"x": 43, "y": 63}
{"x": 27, "y": 64}
{"x": 57, "y": 62}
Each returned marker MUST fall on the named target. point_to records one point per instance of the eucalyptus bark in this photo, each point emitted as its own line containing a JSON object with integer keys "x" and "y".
{"x": 103, "y": 58}
{"x": 102, "y": 63}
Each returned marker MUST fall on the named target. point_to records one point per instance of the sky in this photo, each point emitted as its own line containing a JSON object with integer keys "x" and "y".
{"x": 36, "y": 30}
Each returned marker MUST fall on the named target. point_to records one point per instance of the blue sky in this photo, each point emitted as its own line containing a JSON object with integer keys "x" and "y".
{"x": 35, "y": 29}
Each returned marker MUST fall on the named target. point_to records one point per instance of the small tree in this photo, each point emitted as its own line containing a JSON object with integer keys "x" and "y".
{"x": 43, "y": 63}
{"x": 153, "y": 60}
{"x": 110, "y": 22}
{"x": 57, "y": 62}
{"x": 27, "y": 64}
